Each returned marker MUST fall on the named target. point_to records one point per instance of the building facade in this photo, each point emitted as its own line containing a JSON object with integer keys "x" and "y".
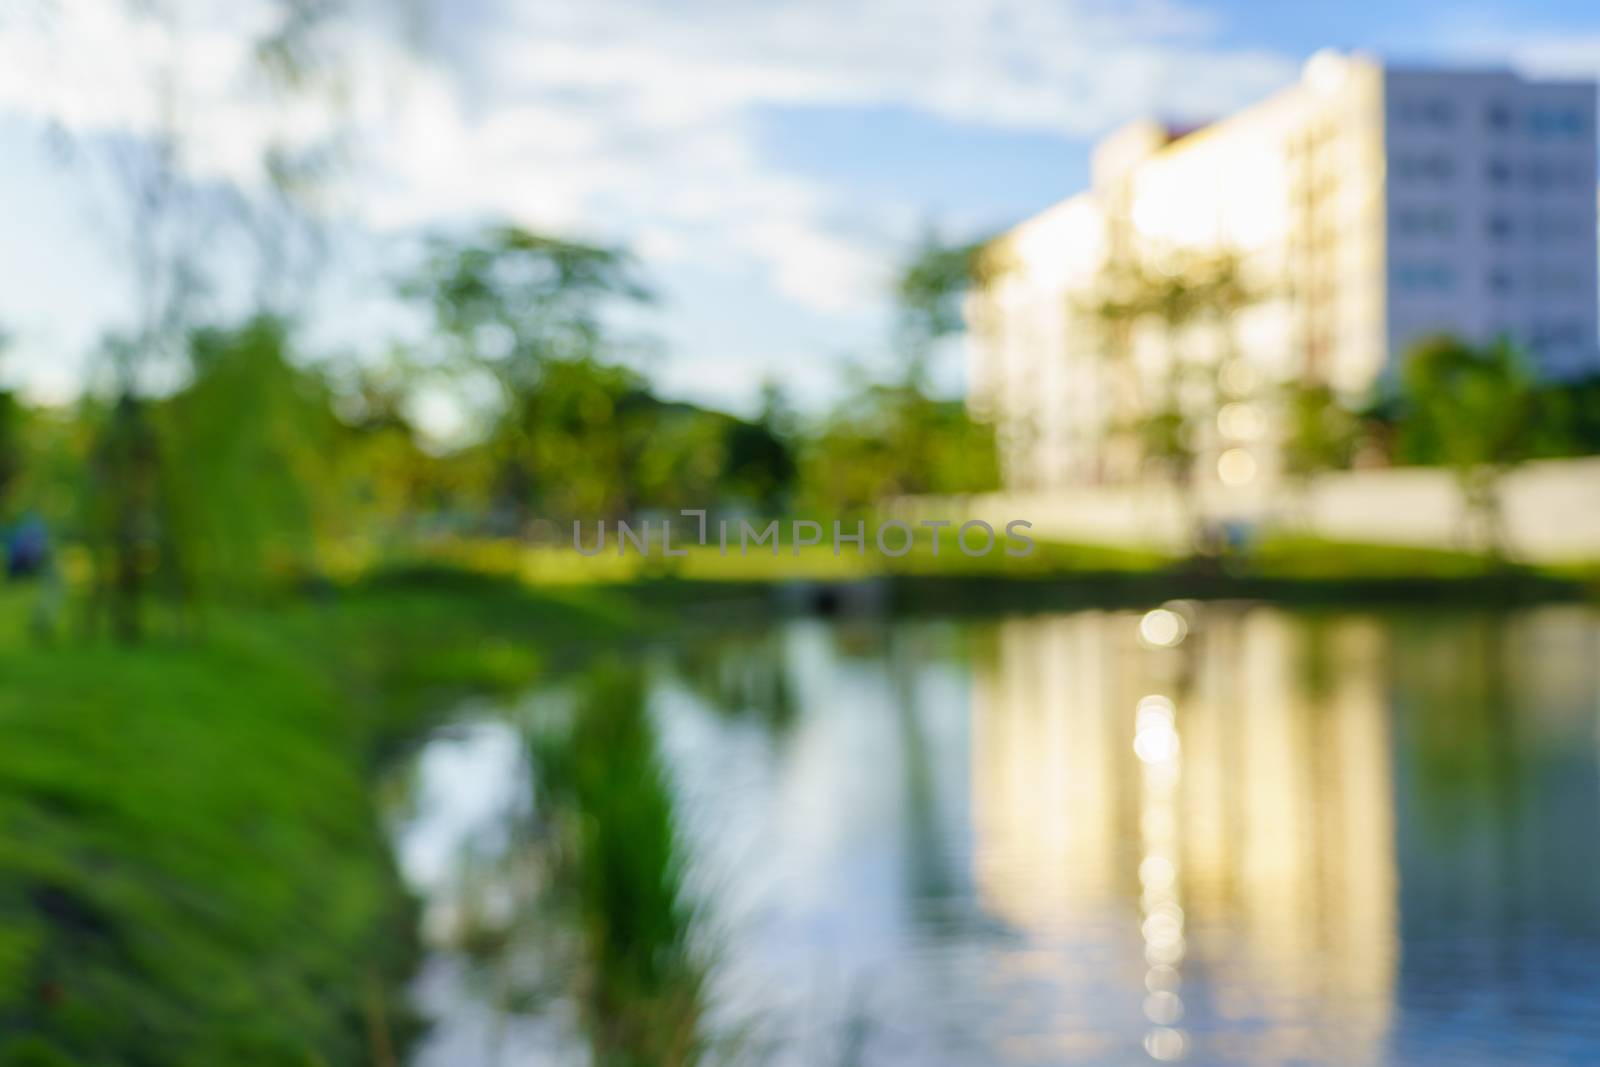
{"x": 1330, "y": 227}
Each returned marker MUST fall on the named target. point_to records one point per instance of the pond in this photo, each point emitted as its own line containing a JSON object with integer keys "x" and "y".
{"x": 1219, "y": 833}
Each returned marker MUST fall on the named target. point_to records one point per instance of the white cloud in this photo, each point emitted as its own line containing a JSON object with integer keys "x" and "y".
{"x": 107, "y": 66}
{"x": 667, "y": 91}
{"x": 812, "y": 266}
{"x": 634, "y": 120}
{"x": 1516, "y": 39}
{"x": 1072, "y": 66}
{"x": 1568, "y": 56}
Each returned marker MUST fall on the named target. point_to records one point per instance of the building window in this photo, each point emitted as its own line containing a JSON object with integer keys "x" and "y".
{"x": 1434, "y": 167}
{"x": 1497, "y": 116}
{"x": 1498, "y": 171}
{"x": 1555, "y": 226}
{"x": 1436, "y": 112}
{"x": 1430, "y": 221}
{"x": 1567, "y": 334}
{"x": 1557, "y": 281}
{"x": 1424, "y": 277}
{"x": 1499, "y": 227}
{"x": 1500, "y": 282}
{"x": 1553, "y": 123}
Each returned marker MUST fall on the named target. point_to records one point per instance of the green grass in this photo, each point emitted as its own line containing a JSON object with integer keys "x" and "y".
{"x": 1286, "y": 556}
{"x": 1280, "y": 558}
{"x": 191, "y": 868}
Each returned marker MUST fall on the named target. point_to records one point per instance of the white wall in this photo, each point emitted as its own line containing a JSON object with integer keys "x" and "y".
{"x": 1552, "y": 510}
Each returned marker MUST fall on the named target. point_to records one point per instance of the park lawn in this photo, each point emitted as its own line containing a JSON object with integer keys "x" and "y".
{"x": 191, "y": 865}
{"x": 559, "y": 565}
{"x": 1276, "y": 560}
{"x": 1298, "y": 556}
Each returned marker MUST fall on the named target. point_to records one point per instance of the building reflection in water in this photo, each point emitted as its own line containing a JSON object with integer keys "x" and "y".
{"x": 1217, "y": 834}
{"x": 1207, "y": 781}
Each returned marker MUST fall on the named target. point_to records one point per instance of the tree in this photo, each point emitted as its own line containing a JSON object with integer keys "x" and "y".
{"x": 253, "y": 437}
{"x": 11, "y": 431}
{"x": 1168, "y": 416}
{"x": 1322, "y": 433}
{"x": 1472, "y": 406}
{"x": 894, "y": 437}
{"x": 167, "y": 216}
{"x": 574, "y": 430}
{"x": 1121, "y": 304}
{"x": 123, "y": 513}
{"x": 760, "y": 466}
{"x": 928, "y": 298}
{"x": 532, "y": 315}
{"x": 890, "y": 440}
{"x": 1567, "y": 422}
{"x": 389, "y": 484}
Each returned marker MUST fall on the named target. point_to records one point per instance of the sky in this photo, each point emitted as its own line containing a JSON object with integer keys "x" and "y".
{"x": 769, "y": 163}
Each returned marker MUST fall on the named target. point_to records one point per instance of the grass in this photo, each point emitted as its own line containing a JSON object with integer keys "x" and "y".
{"x": 1282, "y": 565}
{"x": 191, "y": 869}
{"x": 1298, "y": 556}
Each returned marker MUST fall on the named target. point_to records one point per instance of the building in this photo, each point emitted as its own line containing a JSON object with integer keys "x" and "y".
{"x": 1357, "y": 210}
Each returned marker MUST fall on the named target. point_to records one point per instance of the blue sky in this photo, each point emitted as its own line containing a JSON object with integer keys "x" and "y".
{"x": 769, "y": 162}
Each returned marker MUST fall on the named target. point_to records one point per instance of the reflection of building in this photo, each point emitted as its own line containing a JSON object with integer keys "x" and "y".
{"x": 1365, "y": 206}
{"x": 1272, "y": 809}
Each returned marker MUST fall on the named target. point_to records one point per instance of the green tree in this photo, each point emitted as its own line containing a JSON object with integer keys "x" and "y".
{"x": 1168, "y": 415}
{"x": 891, "y": 440}
{"x": 165, "y": 226}
{"x": 1472, "y": 407}
{"x": 533, "y": 314}
{"x": 123, "y": 518}
{"x": 11, "y": 447}
{"x": 388, "y": 482}
{"x": 250, "y": 447}
{"x": 760, "y": 466}
{"x": 1567, "y": 422}
{"x": 929, "y": 293}
{"x": 895, "y": 437}
{"x": 1132, "y": 293}
{"x": 1322, "y": 433}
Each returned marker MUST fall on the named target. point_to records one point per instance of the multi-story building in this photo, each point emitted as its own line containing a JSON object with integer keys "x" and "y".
{"x": 1359, "y": 209}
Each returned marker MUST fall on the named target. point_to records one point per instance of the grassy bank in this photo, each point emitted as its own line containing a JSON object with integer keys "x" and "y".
{"x": 191, "y": 869}
{"x": 1282, "y": 567}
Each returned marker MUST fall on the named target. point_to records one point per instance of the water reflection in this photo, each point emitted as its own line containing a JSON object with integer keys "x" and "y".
{"x": 563, "y": 930}
{"x": 1237, "y": 800}
{"x": 1213, "y": 833}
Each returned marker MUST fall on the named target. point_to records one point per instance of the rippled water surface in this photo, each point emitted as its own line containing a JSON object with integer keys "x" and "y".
{"x": 1334, "y": 838}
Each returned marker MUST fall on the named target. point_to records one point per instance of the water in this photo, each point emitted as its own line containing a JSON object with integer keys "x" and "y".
{"x": 1345, "y": 838}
